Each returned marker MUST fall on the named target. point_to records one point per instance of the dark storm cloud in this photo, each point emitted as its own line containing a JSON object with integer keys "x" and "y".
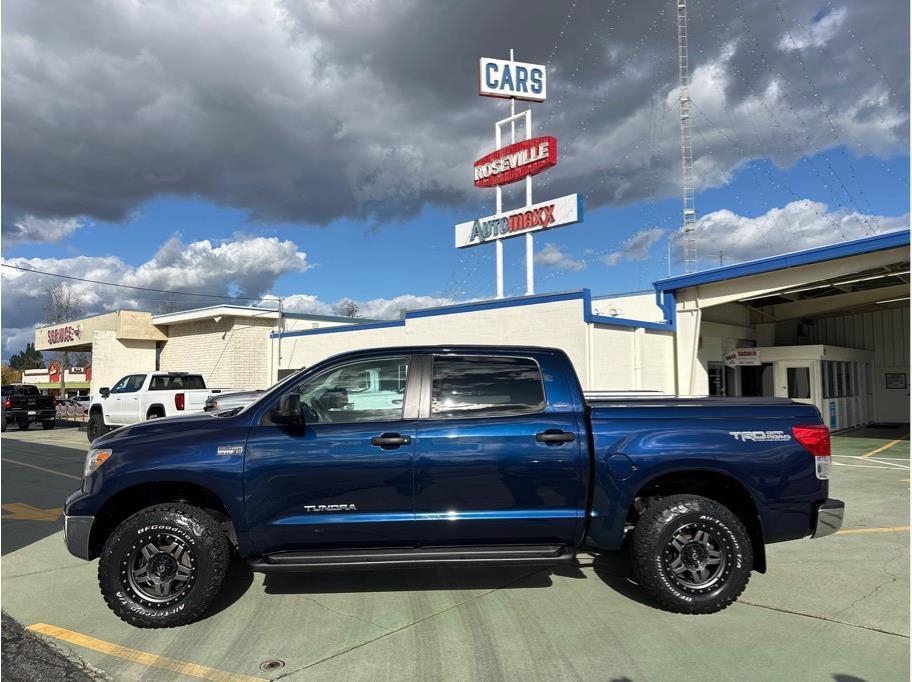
{"x": 309, "y": 112}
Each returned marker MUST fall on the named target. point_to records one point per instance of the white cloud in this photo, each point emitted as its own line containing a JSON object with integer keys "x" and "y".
{"x": 635, "y": 248}
{"x": 376, "y": 308}
{"x": 244, "y": 267}
{"x": 816, "y": 33}
{"x": 552, "y": 256}
{"x": 29, "y": 228}
{"x": 798, "y": 225}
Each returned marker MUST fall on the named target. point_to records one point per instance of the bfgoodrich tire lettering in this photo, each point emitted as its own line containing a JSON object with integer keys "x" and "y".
{"x": 691, "y": 554}
{"x": 183, "y": 547}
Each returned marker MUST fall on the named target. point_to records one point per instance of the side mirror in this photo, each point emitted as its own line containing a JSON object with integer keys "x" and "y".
{"x": 289, "y": 410}
{"x": 105, "y": 392}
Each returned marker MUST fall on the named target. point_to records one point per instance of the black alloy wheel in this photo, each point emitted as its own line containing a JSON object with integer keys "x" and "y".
{"x": 691, "y": 554}
{"x": 163, "y": 566}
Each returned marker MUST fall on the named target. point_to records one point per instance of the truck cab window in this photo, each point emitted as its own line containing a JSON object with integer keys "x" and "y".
{"x": 368, "y": 391}
{"x": 473, "y": 386}
{"x": 129, "y": 384}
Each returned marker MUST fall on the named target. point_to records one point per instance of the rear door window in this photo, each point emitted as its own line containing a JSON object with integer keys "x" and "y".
{"x": 180, "y": 382}
{"x": 478, "y": 386}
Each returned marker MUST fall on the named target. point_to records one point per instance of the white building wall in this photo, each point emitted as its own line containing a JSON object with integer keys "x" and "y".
{"x": 628, "y": 359}
{"x": 637, "y": 306}
{"x": 113, "y": 359}
{"x": 605, "y": 357}
{"x": 232, "y": 352}
{"x": 886, "y": 333}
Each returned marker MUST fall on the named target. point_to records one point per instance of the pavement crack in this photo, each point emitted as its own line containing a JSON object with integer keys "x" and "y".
{"x": 824, "y": 618}
{"x": 346, "y": 615}
{"x": 891, "y": 578}
{"x": 410, "y": 625}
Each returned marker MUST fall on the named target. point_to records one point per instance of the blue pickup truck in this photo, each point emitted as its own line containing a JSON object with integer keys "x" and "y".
{"x": 449, "y": 456}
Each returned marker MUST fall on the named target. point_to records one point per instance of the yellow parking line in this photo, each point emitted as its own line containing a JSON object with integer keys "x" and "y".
{"x": 883, "y": 447}
{"x": 893, "y": 529}
{"x": 141, "y": 657}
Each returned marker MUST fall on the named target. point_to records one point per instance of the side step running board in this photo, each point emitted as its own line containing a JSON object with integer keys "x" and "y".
{"x": 425, "y": 556}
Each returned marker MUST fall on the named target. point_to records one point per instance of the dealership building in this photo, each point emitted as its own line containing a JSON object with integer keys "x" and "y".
{"x": 827, "y": 326}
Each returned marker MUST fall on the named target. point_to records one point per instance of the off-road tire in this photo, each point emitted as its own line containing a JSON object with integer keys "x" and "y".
{"x": 209, "y": 558}
{"x": 24, "y": 424}
{"x": 653, "y": 553}
{"x": 96, "y": 426}
{"x": 48, "y": 425}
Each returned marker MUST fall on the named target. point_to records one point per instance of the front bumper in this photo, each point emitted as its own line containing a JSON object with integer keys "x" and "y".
{"x": 829, "y": 518}
{"x": 76, "y": 533}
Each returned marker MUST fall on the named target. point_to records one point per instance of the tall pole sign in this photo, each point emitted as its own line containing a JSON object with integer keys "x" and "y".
{"x": 509, "y": 79}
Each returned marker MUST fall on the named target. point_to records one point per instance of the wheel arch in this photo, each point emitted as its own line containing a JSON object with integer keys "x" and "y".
{"x": 157, "y": 407}
{"x": 132, "y": 499}
{"x": 715, "y": 485}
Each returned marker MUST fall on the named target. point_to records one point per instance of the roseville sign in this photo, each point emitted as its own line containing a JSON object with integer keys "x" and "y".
{"x": 63, "y": 334}
{"x": 558, "y": 212}
{"x": 506, "y": 78}
{"x": 515, "y": 161}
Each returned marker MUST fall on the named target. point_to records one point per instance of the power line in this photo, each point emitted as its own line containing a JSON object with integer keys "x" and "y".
{"x": 136, "y": 288}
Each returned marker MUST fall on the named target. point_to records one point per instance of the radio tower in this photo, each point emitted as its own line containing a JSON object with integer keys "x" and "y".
{"x": 687, "y": 172}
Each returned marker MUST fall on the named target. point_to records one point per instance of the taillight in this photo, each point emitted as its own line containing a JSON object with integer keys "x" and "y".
{"x": 179, "y": 401}
{"x": 8, "y": 404}
{"x": 816, "y": 440}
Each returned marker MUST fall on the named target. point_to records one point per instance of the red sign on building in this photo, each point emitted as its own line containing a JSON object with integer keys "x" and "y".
{"x": 515, "y": 161}
{"x": 54, "y": 372}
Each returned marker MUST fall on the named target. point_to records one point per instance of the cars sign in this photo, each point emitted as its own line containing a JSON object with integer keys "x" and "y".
{"x": 505, "y": 78}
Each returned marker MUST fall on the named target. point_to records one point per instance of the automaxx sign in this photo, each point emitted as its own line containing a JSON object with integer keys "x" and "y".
{"x": 558, "y": 212}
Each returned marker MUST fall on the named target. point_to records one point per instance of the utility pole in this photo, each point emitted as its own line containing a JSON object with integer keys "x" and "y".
{"x": 687, "y": 172}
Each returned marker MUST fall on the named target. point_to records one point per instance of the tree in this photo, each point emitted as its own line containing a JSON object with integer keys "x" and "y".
{"x": 27, "y": 359}
{"x": 349, "y": 308}
{"x": 62, "y": 305}
{"x": 8, "y": 375}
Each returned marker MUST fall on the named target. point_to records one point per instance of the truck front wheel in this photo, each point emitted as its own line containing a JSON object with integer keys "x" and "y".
{"x": 96, "y": 426}
{"x": 691, "y": 554}
{"x": 163, "y": 566}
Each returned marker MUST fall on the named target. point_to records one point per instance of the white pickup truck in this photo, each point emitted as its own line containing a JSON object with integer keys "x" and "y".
{"x": 152, "y": 395}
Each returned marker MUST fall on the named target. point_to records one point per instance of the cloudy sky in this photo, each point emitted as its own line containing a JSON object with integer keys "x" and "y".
{"x": 322, "y": 151}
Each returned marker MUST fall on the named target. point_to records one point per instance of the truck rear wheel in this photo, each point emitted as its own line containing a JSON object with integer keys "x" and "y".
{"x": 163, "y": 566}
{"x": 691, "y": 554}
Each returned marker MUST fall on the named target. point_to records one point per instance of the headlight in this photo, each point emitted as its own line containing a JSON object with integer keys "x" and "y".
{"x": 95, "y": 458}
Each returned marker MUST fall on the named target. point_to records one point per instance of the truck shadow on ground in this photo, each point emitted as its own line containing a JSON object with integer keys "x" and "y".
{"x": 612, "y": 569}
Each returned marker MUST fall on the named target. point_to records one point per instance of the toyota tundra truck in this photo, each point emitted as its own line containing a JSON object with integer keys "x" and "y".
{"x": 451, "y": 456}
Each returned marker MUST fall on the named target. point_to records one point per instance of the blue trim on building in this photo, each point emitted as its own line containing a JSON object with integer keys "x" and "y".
{"x": 585, "y": 296}
{"x": 592, "y": 318}
{"x": 337, "y": 329}
{"x": 856, "y": 247}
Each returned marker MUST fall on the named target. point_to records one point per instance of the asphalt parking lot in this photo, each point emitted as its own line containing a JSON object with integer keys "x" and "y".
{"x": 829, "y": 609}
